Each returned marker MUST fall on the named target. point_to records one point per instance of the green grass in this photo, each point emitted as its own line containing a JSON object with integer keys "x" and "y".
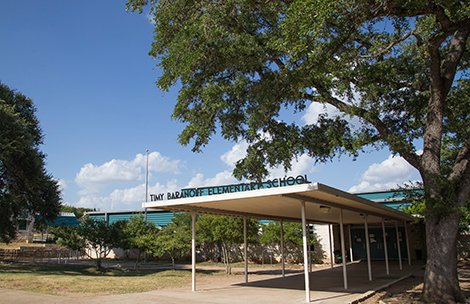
{"x": 86, "y": 280}
{"x": 73, "y": 279}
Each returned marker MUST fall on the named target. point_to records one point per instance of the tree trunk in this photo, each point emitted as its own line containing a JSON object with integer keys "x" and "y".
{"x": 98, "y": 265}
{"x": 137, "y": 260}
{"x": 441, "y": 283}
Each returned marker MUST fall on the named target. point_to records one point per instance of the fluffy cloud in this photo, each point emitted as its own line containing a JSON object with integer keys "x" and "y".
{"x": 315, "y": 109}
{"x": 126, "y": 198}
{"x": 221, "y": 178}
{"x": 99, "y": 183}
{"x": 112, "y": 171}
{"x": 62, "y": 184}
{"x": 158, "y": 163}
{"x": 136, "y": 195}
{"x": 117, "y": 170}
{"x": 237, "y": 152}
{"x": 386, "y": 175}
{"x": 302, "y": 165}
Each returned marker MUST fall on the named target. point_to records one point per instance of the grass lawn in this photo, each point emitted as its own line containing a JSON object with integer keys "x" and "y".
{"x": 84, "y": 279}
{"x": 18, "y": 245}
{"x": 77, "y": 279}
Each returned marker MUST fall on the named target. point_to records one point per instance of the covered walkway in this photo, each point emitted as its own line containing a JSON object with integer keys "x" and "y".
{"x": 307, "y": 203}
{"x": 326, "y": 287}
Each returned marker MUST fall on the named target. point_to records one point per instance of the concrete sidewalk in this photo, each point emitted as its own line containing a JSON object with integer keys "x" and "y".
{"x": 326, "y": 287}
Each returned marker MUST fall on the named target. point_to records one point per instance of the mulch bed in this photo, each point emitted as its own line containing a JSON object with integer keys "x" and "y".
{"x": 409, "y": 290}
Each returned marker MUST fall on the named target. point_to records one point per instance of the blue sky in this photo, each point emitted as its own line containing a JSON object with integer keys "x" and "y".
{"x": 85, "y": 64}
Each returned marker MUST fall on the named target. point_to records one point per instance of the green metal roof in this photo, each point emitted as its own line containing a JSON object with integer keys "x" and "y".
{"x": 159, "y": 218}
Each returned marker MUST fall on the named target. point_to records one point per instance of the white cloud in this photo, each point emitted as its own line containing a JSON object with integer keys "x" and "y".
{"x": 314, "y": 110}
{"x": 114, "y": 170}
{"x": 386, "y": 175}
{"x": 124, "y": 198}
{"x": 117, "y": 170}
{"x": 99, "y": 188}
{"x": 302, "y": 165}
{"x": 237, "y": 152}
{"x": 128, "y": 197}
{"x": 158, "y": 163}
{"x": 94, "y": 201}
{"x": 312, "y": 114}
{"x": 221, "y": 178}
{"x": 62, "y": 184}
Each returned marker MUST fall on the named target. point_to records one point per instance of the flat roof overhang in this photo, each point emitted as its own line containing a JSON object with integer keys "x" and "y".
{"x": 323, "y": 205}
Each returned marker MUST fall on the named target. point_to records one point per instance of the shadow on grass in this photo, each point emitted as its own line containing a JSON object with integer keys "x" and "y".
{"x": 87, "y": 270}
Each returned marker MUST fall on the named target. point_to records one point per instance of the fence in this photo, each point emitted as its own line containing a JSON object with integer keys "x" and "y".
{"x": 39, "y": 254}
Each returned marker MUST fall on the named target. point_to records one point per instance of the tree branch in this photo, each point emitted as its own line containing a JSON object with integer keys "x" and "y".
{"x": 385, "y": 50}
{"x": 403, "y": 148}
{"x": 389, "y": 8}
{"x": 279, "y": 63}
{"x": 457, "y": 47}
{"x": 463, "y": 189}
{"x": 442, "y": 75}
{"x": 462, "y": 163}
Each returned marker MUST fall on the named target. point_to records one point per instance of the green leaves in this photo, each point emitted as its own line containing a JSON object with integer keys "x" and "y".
{"x": 139, "y": 234}
{"x": 69, "y": 237}
{"x": 226, "y": 230}
{"x": 25, "y": 186}
{"x": 243, "y": 64}
{"x": 174, "y": 240}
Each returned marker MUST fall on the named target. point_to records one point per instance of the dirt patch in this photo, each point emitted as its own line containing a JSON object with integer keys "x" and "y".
{"x": 408, "y": 291}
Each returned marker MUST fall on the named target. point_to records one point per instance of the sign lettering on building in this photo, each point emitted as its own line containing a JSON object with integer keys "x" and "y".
{"x": 233, "y": 188}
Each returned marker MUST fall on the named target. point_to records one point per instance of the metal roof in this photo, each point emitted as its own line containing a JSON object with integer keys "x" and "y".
{"x": 323, "y": 204}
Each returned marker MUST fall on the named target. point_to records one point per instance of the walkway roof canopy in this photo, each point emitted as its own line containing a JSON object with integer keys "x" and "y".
{"x": 323, "y": 204}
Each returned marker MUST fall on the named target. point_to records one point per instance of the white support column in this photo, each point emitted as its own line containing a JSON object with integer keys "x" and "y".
{"x": 350, "y": 244}
{"x": 385, "y": 246}
{"x": 304, "y": 239}
{"x": 366, "y": 230}
{"x": 332, "y": 257}
{"x": 309, "y": 249}
{"x": 407, "y": 243}
{"x": 343, "y": 252}
{"x": 193, "y": 250}
{"x": 283, "y": 271}
{"x": 398, "y": 246}
{"x": 245, "y": 249}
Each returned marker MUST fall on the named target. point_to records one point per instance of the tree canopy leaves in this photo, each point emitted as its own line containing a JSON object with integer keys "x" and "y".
{"x": 174, "y": 239}
{"x": 99, "y": 237}
{"x": 25, "y": 186}
{"x": 240, "y": 63}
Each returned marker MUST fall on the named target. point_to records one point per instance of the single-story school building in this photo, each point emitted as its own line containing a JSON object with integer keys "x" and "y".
{"x": 342, "y": 220}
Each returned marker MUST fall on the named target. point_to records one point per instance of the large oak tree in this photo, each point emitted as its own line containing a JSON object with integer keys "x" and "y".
{"x": 25, "y": 186}
{"x": 399, "y": 67}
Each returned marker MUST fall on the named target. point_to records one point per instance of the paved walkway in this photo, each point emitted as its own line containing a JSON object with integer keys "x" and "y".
{"x": 326, "y": 287}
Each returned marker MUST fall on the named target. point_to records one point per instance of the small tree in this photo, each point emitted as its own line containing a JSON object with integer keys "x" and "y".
{"x": 174, "y": 240}
{"x": 69, "y": 237}
{"x": 226, "y": 233}
{"x": 137, "y": 234}
{"x": 100, "y": 238}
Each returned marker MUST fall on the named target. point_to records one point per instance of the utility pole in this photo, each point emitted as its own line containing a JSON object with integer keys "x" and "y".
{"x": 146, "y": 183}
